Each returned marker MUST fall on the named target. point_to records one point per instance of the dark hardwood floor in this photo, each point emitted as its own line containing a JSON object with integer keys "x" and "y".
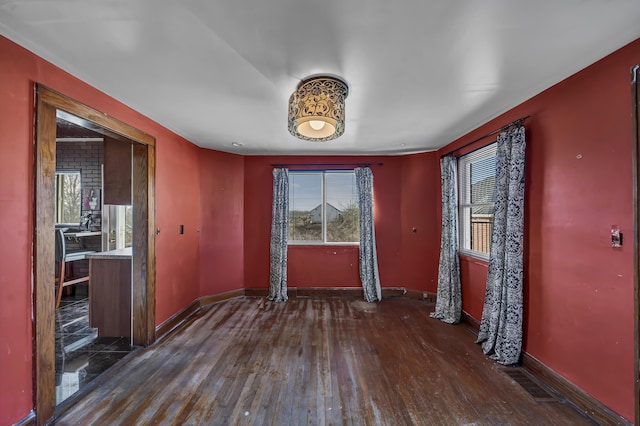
{"x": 331, "y": 361}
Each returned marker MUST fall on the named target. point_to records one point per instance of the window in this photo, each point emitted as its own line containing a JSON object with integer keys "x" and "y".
{"x": 118, "y": 220}
{"x": 128, "y": 226}
{"x": 477, "y": 178}
{"x": 68, "y": 197}
{"x": 323, "y": 208}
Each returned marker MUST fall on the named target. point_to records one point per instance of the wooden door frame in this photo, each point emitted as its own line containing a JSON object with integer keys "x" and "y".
{"x": 635, "y": 108}
{"x": 48, "y": 105}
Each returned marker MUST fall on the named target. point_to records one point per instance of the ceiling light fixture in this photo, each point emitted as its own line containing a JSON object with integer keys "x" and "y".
{"x": 316, "y": 108}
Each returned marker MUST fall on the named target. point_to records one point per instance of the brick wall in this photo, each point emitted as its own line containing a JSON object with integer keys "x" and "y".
{"x": 87, "y": 157}
{"x": 84, "y": 156}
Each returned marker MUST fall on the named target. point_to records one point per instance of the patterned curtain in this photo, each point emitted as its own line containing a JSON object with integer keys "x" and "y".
{"x": 501, "y": 325}
{"x": 279, "y": 236}
{"x": 449, "y": 301}
{"x": 368, "y": 257}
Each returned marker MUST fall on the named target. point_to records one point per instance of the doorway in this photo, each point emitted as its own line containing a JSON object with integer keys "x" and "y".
{"x": 49, "y": 106}
{"x": 92, "y": 322}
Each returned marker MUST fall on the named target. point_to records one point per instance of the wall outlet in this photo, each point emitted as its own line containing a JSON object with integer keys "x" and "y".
{"x": 616, "y": 236}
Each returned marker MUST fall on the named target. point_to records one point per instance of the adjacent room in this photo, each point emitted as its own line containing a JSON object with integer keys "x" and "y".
{"x": 93, "y": 240}
{"x": 339, "y": 213}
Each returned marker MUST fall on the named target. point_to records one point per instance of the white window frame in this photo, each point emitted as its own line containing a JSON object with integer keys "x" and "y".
{"x": 464, "y": 199}
{"x": 59, "y": 194}
{"x": 324, "y": 241}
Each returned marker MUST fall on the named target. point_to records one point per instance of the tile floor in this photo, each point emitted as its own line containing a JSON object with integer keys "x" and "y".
{"x": 81, "y": 355}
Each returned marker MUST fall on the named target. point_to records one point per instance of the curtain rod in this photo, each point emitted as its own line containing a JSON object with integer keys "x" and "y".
{"x": 505, "y": 127}
{"x": 328, "y": 165}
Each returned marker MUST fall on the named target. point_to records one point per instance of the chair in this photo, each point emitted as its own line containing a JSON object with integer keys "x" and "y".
{"x": 64, "y": 256}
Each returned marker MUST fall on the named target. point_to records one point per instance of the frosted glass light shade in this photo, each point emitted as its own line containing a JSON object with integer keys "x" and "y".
{"x": 316, "y": 124}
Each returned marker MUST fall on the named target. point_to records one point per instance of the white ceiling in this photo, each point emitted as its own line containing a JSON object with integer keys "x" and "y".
{"x": 421, "y": 73}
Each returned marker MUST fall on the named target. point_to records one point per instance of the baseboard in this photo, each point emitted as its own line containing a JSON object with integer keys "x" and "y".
{"x": 256, "y": 292}
{"x": 584, "y": 402}
{"x": 471, "y": 323}
{"x": 427, "y": 296}
{"x": 175, "y": 320}
{"x": 178, "y": 318}
{"x": 326, "y": 292}
{"x": 29, "y": 420}
{"x": 394, "y": 292}
{"x": 221, "y": 297}
{"x": 293, "y": 292}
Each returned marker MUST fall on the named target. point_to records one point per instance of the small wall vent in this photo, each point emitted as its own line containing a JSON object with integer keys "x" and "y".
{"x": 538, "y": 391}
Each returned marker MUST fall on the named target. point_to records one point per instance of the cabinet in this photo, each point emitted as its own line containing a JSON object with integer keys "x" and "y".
{"x": 110, "y": 292}
{"x": 117, "y": 172}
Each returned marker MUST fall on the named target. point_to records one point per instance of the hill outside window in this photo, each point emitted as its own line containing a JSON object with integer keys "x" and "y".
{"x": 323, "y": 208}
{"x": 477, "y": 181}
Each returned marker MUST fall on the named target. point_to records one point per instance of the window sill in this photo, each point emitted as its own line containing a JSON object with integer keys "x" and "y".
{"x": 312, "y": 244}
{"x": 473, "y": 259}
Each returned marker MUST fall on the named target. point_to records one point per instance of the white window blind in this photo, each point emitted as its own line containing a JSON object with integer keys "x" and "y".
{"x": 477, "y": 183}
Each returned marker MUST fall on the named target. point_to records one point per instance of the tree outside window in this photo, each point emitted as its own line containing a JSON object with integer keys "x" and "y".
{"x": 68, "y": 197}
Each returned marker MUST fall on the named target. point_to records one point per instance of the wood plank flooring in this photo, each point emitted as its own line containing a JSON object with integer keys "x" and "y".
{"x": 316, "y": 361}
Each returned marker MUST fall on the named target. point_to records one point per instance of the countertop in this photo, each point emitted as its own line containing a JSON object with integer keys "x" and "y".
{"x": 82, "y": 234}
{"x": 124, "y": 253}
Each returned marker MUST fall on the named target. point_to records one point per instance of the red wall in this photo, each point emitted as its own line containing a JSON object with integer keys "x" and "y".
{"x": 16, "y": 223}
{"x": 177, "y": 202}
{"x": 578, "y": 289}
{"x": 473, "y": 277}
{"x": 222, "y": 222}
{"x": 420, "y": 209}
{"x": 404, "y": 192}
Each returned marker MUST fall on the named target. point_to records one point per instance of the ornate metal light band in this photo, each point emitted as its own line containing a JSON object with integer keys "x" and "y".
{"x": 316, "y": 108}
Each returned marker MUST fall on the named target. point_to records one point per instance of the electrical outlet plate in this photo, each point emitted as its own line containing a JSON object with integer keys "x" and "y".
{"x": 616, "y": 236}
